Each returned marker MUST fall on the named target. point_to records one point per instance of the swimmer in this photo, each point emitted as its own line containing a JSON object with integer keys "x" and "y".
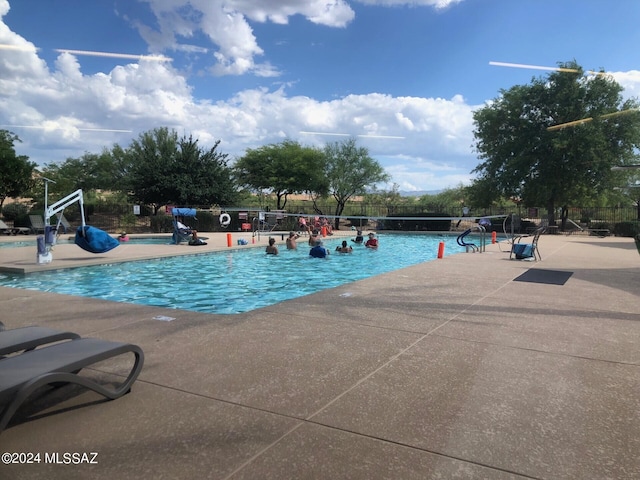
{"x": 291, "y": 241}
{"x": 318, "y": 251}
{"x": 344, "y": 248}
{"x": 271, "y": 248}
{"x": 372, "y": 242}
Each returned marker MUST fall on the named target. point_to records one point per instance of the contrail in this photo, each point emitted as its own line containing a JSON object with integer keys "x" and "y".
{"x": 27, "y": 48}
{"x": 533, "y": 67}
{"x": 540, "y": 67}
{"x": 128, "y": 56}
{"x": 155, "y": 58}
{"x": 61, "y": 128}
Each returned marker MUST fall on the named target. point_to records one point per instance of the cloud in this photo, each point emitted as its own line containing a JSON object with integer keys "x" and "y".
{"x": 630, "y": 81}
{"x": 226, "y": 24}
{"x": 438, "y": 4}
{"x": 66, "y": 105}
{"x": 69, "y": 112}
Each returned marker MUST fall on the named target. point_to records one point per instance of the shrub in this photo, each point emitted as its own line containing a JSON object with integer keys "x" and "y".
{"x": 161, "y": 224}
{"x": 14, "y": 210}
{"x": 626, "y": 229}
{"x": 128, "y": 220}
{"x": 207, "y": 222}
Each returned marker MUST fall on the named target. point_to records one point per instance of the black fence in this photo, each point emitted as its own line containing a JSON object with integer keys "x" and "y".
{"x": 117, "y": 218}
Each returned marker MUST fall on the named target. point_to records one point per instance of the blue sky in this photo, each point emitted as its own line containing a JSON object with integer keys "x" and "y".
{"x": 402, "y": 76}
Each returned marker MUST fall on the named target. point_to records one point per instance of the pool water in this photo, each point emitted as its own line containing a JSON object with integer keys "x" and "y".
{"x": 234, "y": 281}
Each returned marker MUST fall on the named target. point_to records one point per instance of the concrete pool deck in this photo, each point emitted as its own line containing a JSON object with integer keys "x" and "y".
{"x": 447, "y": 369}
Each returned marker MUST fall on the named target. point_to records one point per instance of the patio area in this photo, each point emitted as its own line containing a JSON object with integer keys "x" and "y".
{"x": 472, "y": 366}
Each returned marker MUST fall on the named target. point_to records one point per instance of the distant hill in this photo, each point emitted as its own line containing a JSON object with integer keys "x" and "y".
{"x": 419, "y": 193}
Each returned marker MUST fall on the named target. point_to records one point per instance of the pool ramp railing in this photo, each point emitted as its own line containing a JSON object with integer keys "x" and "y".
{"x": 471, "y": 246}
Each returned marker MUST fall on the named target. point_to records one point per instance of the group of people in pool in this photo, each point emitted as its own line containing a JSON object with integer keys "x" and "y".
{"x": 318, "y": 250}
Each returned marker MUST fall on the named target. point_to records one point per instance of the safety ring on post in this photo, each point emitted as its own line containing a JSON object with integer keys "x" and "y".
{"x": 225, "y": 219}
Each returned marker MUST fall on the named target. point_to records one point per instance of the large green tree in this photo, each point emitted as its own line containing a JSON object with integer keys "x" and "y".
{"x": 350, "y": 170}
{"x": 162, "y": 169}
{"x": 202, "y": 177}
{"x": 151, "y": 158}
{"x": 283, "y": 169}
{"x": 16, "y": 171}
{"x": 527, "y": 154}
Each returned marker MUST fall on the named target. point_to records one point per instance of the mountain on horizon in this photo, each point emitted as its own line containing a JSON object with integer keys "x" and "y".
{"x": 418, "y": 193}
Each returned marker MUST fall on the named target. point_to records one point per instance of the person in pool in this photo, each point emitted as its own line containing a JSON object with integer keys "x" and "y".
{"x": 318, "y": 251}
{"x": 344, "y": 248}
{"x": 314, "y": 237}
{"x": 123, "y": 237}
{"x": 271, "y": 248}
{"x": 291, "y": 241}
{"x": 359, "y": 238}
{"x": 372, "y": 242}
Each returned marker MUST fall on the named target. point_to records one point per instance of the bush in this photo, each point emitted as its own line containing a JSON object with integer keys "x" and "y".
{"x": 626, "y": 229}
{"x": 161, "y": 224}
{"x": 14, "y": 210}
{"x": 128, "y": 220}
{"x": 207, "y": 222}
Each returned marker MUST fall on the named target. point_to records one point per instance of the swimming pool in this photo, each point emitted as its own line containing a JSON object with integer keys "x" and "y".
{"x": 234, "y": 281}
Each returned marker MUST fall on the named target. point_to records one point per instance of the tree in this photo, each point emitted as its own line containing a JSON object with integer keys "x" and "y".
{"x": 350, "y": 170}
{"x": 161, "y": 169}
{"x": 202, "y": 177}
{"x": 16, "y": 171}
{"x": 283, "y": 169}
{"x": 391, "y": 199}
{"x": 151, "y": 159}
{"x": 523, "y": 158}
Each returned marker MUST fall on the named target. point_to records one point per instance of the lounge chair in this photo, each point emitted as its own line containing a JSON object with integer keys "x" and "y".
{"x": 62, "y": 221}
{"x": 4, "y": 228}
{"x": 524, "y": 251}
{"x": 7, "y": 230}
{"x": 23, "y": 374}
{"x": 28, "y": 338}
{"x": 37, "y": 223}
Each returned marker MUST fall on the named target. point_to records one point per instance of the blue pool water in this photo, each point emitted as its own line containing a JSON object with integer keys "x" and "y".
{"x": 234, "y": 281}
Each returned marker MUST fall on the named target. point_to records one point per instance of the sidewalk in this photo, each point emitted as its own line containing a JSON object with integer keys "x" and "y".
{"x": 447, "y": 369}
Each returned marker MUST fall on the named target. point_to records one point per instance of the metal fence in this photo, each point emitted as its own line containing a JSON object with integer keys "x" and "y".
{"x": 116, "y": 218}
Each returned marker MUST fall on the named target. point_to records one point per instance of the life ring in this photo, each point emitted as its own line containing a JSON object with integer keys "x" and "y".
{"x": 225, "y": 219}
